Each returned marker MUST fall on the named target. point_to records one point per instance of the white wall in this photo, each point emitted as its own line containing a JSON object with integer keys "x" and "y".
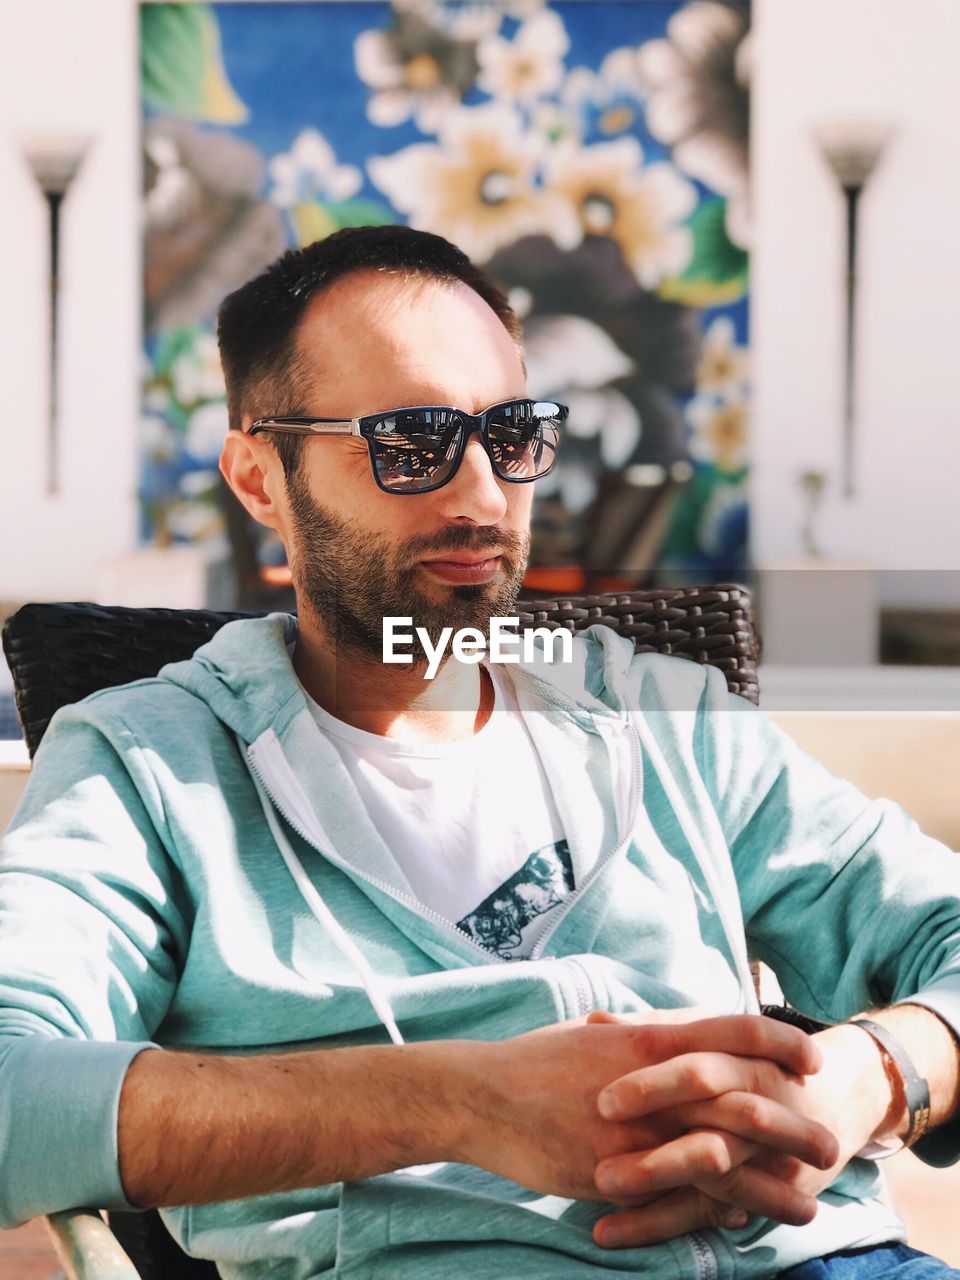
{"x": 65, "y": 65}
{"x": 892, "y": 60}
{"x": 68, "y": 66}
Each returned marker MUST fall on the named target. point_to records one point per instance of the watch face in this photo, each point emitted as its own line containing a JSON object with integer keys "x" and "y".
{"x": 783, "y": 1013}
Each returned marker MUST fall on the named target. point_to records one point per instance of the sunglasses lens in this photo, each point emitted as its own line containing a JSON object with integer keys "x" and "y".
{"x": 524, "y": 437}
{"x": 416, "y": 449}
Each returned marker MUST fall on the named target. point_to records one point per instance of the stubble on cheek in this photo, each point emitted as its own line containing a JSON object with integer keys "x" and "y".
{"x": 352, "y": 578}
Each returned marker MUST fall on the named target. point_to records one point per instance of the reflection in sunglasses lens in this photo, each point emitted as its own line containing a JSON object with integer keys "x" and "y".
{"x": 417, "y": 449}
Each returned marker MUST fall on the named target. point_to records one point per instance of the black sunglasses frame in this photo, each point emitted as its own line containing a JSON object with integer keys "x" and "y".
{"x": 366, "y": 427}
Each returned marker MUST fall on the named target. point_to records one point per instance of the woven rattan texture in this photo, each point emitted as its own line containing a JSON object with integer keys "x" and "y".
{"x": 60, "y": 653}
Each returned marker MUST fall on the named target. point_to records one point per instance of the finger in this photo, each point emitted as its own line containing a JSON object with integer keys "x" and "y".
{"x": 694, "y": 1157}
{"x": 690, "y": 1077}
{"x": 717, "y": 1164}
{"x": 788, "y": 1169}
{"x": 759, "y": 1192}
{"x": 764, "y": 1121}
{"x": 746, "y": 1035}
{"x": 723, "y": 1201}
{"x": 650, "y": 1017}
{"x": 672, "y": 1215}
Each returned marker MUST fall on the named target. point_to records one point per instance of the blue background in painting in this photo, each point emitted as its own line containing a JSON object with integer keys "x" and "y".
{"x": 272, "y": 64}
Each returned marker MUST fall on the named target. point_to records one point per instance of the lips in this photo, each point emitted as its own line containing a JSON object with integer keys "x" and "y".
{"x": 463, "y": 569}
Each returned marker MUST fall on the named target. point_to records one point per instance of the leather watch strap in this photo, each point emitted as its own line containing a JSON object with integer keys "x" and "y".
{"x": 915, "y": 1087}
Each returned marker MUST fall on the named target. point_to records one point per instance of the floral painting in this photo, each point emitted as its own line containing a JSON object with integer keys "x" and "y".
{"x": 592, "y": 154}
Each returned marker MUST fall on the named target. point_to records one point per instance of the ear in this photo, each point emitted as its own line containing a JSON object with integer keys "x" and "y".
{"x": 254, "y": 472}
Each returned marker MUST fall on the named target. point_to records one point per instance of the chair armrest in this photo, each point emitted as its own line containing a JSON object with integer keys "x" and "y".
{"x": 88, "y": 1248}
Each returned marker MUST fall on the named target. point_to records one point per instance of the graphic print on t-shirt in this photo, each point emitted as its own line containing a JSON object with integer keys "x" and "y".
{"x": 502, "y": 920}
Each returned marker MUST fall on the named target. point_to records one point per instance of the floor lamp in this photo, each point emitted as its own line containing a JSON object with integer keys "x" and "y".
{"x": 54, "y": 162}
{"x": 852, "y": 150}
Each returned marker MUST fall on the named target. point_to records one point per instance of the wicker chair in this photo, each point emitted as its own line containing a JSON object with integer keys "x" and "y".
{"x": 60, "y": 653}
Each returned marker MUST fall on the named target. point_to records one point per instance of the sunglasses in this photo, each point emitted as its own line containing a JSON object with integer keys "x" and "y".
{"x": 418, "y": 450}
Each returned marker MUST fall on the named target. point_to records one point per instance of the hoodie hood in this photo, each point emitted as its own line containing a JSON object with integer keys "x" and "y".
{"x": 245, "y": 675}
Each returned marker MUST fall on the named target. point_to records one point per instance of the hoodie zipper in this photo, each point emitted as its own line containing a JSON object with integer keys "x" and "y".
{"x": 581, "y": 983}
{"x": 561, "y": 911}
{"x": 704, "y": 1259}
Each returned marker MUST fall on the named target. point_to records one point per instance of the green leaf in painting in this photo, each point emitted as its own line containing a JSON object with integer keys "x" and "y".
{"x": 313, "y": 220}
{"x": 683, "y": 536}
{"x": 360, "y": 213}
{"x": 181, "y": 64}
{"x": 718, "y": 270}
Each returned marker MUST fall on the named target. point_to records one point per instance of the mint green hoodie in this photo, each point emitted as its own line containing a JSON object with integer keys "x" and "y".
{"x": 190, "y": 866}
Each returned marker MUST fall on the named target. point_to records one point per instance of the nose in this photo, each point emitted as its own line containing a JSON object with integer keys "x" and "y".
{"x": 474, "y": 495}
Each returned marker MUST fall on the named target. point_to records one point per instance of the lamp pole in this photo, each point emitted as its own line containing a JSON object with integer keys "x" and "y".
{"x": 54, "y": 162}
{"x": 852, "y": 150}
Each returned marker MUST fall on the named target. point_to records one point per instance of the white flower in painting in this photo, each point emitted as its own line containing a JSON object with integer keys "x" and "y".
{"x": 575, "y": 360}
{"x": 608, "y": 415}
{"x": 568, "y": 351}
{"x": 477, "y": 185}
{"x": 171, "y": 193}
{"x": 157, "y": 439}
{"x": 641, "y": 207}
{"x": 697, "y": 80}
{"x": 529, "y": 66}
{"x": 607, "y": 101}
{"x": 206, "y": 430}
{"x": 309, "y": 171}
{"x": 197, "y": 485}
{"x": 196, "y": 375}
{"x": 723, "y": 368}
{"x": 424, "y": 63}
{"x": 574, "y": 483}
{"x": 155, "y": 398}
{"x": 719, "y": 430}
{"x": 554, "y": 122}
{"x": 521, "y": 9}
{"x": 195, "y": 521}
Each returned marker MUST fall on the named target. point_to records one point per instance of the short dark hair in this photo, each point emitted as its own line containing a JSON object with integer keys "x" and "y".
{"x": 257, "y": 324}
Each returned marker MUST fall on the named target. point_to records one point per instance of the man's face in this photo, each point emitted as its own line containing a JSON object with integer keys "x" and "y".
{"x": 453, "y": 557}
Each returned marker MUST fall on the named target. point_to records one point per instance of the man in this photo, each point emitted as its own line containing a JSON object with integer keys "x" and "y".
{"x": 229, "y": 889}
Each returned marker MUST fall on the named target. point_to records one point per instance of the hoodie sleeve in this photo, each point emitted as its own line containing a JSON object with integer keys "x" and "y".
{"x": 843, "y": 897}
{"x": 93, "y": 922}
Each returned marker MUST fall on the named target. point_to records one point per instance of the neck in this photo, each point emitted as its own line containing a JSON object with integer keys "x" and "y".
{"x": 393, "y": 701}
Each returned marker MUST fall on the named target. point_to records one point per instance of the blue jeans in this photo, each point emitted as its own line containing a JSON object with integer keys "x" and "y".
{"x": 889, "y": 1261}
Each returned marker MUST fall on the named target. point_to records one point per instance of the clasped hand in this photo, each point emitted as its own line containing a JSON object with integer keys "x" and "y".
{"x": 682, "y": 1120}
{"x": 765, "y": 1131}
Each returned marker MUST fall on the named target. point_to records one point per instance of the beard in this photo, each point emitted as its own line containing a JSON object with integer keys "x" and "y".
{"x": 352, "y": 578}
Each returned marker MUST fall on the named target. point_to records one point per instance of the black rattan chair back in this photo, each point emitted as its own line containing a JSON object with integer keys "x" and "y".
{"x": 60, "y": 653}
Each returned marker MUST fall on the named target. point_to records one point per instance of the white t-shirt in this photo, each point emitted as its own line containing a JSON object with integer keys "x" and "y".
{"x": 472, "y": 824}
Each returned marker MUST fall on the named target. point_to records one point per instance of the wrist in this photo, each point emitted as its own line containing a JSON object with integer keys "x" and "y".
{"x": 449, "y": 1081}
{"x": 908, "y": 1116}
{"x": 867, "y": 1108}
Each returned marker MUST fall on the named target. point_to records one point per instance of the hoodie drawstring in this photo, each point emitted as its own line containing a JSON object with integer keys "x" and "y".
{"x": 348, "y": 948}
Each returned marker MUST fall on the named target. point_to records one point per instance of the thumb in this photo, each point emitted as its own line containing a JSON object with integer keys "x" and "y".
{"x": 647, "y": 1017}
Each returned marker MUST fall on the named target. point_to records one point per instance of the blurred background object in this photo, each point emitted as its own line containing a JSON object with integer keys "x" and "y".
{"x": 53, "y": 161}
{"x": 852, "y": 149}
